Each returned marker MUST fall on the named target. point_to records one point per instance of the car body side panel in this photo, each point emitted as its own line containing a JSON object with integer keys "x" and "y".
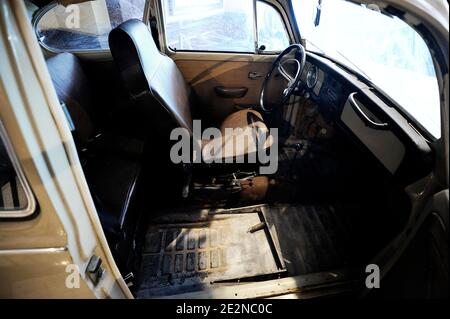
{"x": 38, "y": 273}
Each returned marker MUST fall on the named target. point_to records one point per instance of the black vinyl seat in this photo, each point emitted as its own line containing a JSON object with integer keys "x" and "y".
{"x": 112, "y": 171}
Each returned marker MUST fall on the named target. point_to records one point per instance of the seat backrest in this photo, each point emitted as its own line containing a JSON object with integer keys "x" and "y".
{"x": 146, "y": 71}
{"x": 72, "y": 88}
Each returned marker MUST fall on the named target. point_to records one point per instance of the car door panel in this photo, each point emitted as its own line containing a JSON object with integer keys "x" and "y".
{"x": 208, "y": 75}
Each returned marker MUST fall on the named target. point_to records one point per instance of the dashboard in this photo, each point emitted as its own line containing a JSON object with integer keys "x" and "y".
{"x": 368, "y": 117}
{"x": 322, "y": 85}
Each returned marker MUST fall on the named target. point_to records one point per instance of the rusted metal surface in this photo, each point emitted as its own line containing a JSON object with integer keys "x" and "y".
{"x": 193, "y": 257}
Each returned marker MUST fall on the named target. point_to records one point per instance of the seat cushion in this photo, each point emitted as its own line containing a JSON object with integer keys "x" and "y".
{"x": 72, "y": 88}
{"x": 242, "y": 119}
{"x": 243, "y": 133}
{"x": 113, "y": 183}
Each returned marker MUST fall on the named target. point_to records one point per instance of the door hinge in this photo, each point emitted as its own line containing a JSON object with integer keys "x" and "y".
{"x": 94, "y": 270}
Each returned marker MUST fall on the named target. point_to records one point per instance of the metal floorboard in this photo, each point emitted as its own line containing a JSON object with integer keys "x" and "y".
{"x": 189, "y": 257}
{"x": 312, "y": 238}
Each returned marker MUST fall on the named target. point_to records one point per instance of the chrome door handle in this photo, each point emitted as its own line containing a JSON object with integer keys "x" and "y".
{"x": 363, "y": 116}
{"x": 255, "y": 75}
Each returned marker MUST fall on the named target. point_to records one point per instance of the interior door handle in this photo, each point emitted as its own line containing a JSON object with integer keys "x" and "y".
{"x": 255, "y": 75}
{"x": 228, "y": 92}
{"x": 364, "y": 117}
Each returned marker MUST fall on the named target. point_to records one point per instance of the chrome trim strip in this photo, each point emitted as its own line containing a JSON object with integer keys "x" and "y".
{"x": 29, "y": 251}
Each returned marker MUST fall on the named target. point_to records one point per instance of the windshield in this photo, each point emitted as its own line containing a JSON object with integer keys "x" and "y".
{"x": 384, "y": 49}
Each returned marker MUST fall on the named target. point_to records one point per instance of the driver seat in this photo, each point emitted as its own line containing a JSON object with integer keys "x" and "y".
{"x": 157, "y": 86}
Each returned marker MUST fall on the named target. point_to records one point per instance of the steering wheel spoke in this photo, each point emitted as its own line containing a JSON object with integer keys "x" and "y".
{"x": 281, "y": 66}
{"x": 285, "y": 74}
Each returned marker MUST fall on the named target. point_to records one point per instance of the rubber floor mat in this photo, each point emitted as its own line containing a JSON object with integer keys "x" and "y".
{"x": 181, "y": 258}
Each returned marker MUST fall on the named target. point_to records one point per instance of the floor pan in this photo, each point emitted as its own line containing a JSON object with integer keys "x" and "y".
{"x": 180, "y": 258}
{"x": 312, "y": 238}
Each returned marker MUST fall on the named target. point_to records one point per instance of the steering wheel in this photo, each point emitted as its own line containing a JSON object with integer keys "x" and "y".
{"x": 283, "y": 65}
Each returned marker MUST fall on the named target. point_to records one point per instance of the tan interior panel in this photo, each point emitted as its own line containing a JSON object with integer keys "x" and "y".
{"x": 204, "y": 75}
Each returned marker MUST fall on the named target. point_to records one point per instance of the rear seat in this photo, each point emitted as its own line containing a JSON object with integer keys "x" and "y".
{"x": 112, "y": 172}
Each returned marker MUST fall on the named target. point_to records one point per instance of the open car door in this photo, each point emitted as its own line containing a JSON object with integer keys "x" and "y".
{"x": 62, "y": 241}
